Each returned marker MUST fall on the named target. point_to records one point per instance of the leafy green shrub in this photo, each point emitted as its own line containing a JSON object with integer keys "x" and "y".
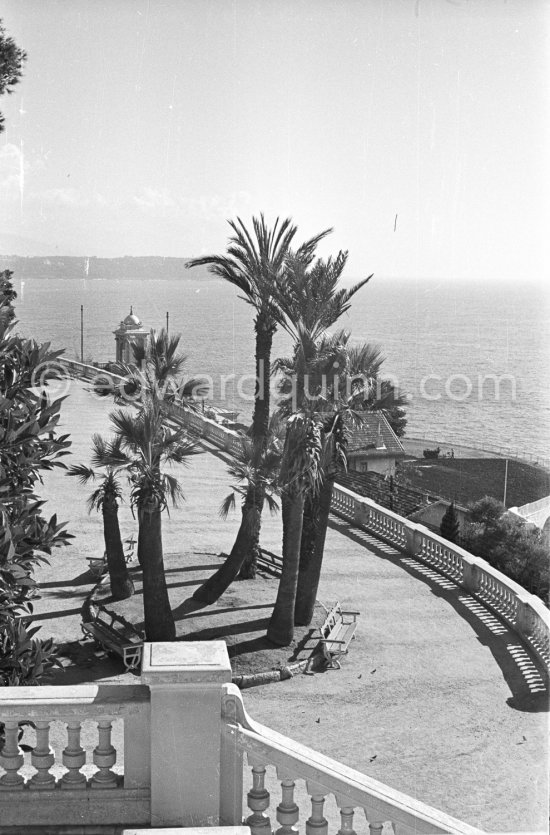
{"x": 28, "y": 446}
{"x": 508, "y": 544}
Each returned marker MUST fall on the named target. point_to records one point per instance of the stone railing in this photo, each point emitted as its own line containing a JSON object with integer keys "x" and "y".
{"x": 170, "y": 753}
{"x": 304, "y": 778}
{"x": 77, "y": 768}
{"x": 524, "y": 612}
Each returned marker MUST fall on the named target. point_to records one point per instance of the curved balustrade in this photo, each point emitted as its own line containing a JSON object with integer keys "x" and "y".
{"x": 523, "y": 611}
{"x": 74, "y": 778}
{"x": 324, "y": 778}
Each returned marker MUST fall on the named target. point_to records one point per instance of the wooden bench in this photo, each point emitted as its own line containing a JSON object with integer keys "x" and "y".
{"x": 115, "y": 634}
{"x": 271, "y": 562}
{"x": 337, "y": 632}
{"x": 98, "y": 565}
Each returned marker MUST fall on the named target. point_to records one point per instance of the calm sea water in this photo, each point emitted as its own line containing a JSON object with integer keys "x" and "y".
{"x": 473, "y": 357}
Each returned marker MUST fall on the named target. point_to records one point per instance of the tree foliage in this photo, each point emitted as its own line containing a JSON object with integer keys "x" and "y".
{"x": 29, "y": 445}
{"x": 508, "y": 544}
{"x": 12, "y": 59}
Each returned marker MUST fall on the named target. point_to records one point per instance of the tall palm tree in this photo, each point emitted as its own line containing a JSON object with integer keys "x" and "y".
{"x": 149, "y": 445}
{"x": 299, "y": 475}
{"x": 342, "y": 383}
{"x": 107, "y": 461}
{"x": 255, "y": 264}
{"x": 256, "y": 468}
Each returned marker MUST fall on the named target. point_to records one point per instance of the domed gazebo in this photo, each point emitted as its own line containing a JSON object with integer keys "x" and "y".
{"x": 129, "y": 332}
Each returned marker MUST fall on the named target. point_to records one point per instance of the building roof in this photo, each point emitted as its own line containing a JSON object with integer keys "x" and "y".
{"x": 132, "y": 321}
{"x": 374, "y": 437}
{"x": 131, "y": 324}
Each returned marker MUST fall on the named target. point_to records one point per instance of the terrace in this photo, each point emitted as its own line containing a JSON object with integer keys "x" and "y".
{"x": 179, "y": 749}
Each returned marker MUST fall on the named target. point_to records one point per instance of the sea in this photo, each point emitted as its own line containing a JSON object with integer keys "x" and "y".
{"x": 472, "y": 357}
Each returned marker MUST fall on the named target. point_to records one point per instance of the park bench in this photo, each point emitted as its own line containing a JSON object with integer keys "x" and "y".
{"x": 98, "y": 565}
{"x": 272, "y": 562}
{"x": 337, "y": 632}
{"x": 115, "y": 634}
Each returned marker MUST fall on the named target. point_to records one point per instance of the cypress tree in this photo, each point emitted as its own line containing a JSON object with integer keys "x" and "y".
{"x": 450, "y": 528}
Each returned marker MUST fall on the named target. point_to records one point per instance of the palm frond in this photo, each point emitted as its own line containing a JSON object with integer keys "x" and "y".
{"x": 227, "y": 505}
{"x": 83, "y": 473}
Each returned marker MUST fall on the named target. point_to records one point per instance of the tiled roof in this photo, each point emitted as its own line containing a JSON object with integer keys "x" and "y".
{"x": 374, "y": 436}
{"x": 403, "y": 500}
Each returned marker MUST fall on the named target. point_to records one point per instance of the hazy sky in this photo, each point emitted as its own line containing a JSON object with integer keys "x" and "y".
{"x": 142, "y": 125}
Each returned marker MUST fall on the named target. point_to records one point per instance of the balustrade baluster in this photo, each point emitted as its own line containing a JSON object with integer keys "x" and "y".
{"x": 74, "y": 757}
{"x": 258, "y": 801}
{"x": 316, "y": 824}
{"x": 11, "y": 758}
{"x": 42, "y": 758}
{"x": 104, "y": 758}
{"x": 287, "y": 810}
{"x": 346, "y": 817}
{"x": 376, "y": 828}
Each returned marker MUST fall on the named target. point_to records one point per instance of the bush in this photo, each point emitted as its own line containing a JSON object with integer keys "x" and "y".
{"x": 508, "y": 544}
{"x": 28, "y": 445}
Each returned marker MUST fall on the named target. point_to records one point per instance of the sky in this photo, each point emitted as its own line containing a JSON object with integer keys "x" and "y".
{"x": 417, "y": 129}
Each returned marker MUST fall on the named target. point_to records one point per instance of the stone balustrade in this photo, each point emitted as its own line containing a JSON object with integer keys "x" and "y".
{"x": 179, "y": 759}
{"x": 297, "y": 768}
{"x": 524, "y": 612}
{"x": 74, "y": 771}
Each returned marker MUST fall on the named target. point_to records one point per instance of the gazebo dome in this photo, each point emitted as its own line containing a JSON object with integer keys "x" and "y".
{"x": 132, "y": 320}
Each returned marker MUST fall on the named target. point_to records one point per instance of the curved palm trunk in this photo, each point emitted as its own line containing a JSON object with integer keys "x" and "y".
{"x": 314, "y": 532}
{"x": 121, "y": 582}
{"x": 260, "y": 431}
{"x": 215, "y": 586}
{"x": 281, "y": 625}
{"x": 159, "y": 621}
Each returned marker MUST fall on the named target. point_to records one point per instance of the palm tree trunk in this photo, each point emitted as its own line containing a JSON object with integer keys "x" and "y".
{"x": 260, "y": 431}
{"x": 215, "y": 586}
{"x": 281, "y": 625}
{"x": 159, "y": 621}
{"x": 314, "y": 531}
{"x": 264, "y": 340}
{"x": 121, "y": 582}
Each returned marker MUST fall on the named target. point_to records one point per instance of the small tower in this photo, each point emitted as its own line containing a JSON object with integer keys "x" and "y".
{"x": 129, "y": 332}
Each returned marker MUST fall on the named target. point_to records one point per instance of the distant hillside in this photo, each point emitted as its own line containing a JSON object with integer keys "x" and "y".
{"x": 67, "y": 266}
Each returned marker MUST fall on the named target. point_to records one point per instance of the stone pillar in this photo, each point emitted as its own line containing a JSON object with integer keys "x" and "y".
{"x": 524, "y": 619}
{"x": 470, "y": 577}
{"x": 185, "y": 680}
{"x": 411, "y": 539}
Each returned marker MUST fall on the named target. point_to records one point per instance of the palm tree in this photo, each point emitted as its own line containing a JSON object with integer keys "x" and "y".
{"x": 149, "y": 445}
{"x": 160, "y": 365}
{"x": 255, "y": 264}
{"x": 107, "y": 461}
{"x": 311, "y": 298}
{"x": 342, "y": 382}
{"x": 299, "y": 475}
{"x": 253, "y": 468}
